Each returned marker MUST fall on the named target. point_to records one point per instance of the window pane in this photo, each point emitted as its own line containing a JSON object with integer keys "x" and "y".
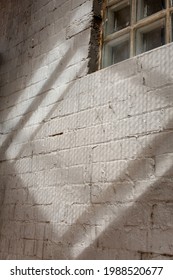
{"x": 117, "y": 51}
{"x": 171, "y": 2}
{"x": 150, "y": 37}
{"x": 149, "y": 7}
{"x": 118, "y": 17}
{"x": 154, "y": 39}
{"x": 122, "y": 18}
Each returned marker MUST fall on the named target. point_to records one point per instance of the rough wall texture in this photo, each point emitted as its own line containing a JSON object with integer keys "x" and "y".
{"x": 86, "y": 164}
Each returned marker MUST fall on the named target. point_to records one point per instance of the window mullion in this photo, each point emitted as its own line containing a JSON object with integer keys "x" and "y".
{"x": 117, "y": 34}
{"x": 168, "y": 23}
{"x": 132, "y": 31}
{"x": 150, "y": 19}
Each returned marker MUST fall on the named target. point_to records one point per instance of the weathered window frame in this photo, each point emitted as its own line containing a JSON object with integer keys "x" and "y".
{"x": 162, "y": 17}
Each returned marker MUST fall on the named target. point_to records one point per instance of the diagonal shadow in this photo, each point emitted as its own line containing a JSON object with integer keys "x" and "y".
{"x": 94, "y": 215}
{"x": 100, "y": 240}
{"x": 34, "y": 105}
{"x": 112, "y": 237}
{"x": 71, "y": 234}
{"x": 158, "y": 142}
{"x": 122, "y": 234}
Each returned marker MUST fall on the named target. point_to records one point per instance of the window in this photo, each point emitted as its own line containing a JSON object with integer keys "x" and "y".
{"x": 132, "y": 27}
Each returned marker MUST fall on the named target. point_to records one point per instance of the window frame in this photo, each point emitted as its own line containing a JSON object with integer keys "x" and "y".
{"x": 135, "y": 25}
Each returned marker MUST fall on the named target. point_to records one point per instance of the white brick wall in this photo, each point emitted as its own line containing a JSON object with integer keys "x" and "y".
{"x": 85, "y": 164}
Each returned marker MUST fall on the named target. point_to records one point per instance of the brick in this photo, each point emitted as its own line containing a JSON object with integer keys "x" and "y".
{"x": 161, "y": 214}
{"x": 112, "y": 192}
{"x": 98, "y": 172}
{"x": 29, "y": 231}
{"x": 96, "y": 253}
{"x": 130, "y": 239}
{"x": 42, "y": 162}
{"x": 167, "y": 119}
{"x": 15, "y": 196}
{"x": 93, "y": 135}
{"x": 76, "y": 175}
{"x": 164, "y": 247}
{"x": 76, "y": 194}
{"x": 155, "y": 144}
{"x": 116, "y": 170}
{"x": 164, "y": 165}
{"x": 107, "y": 151}
{"x": 29, "y": 248}
{"x": 76, "y": 156}
{"x": 39, "y": 249}
{"x": 78, "y": 26}
{"x": 39, "y": 231}
{"x": 141, "y": 169}
{"x": 155, "y": 256}
{"x": 79, "y": 214}
{"x": 77, "y": 3}
{"x": 42, "y": 196}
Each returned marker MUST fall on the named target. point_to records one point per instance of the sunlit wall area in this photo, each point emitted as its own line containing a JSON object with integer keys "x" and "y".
{"x": 86, "y": 161}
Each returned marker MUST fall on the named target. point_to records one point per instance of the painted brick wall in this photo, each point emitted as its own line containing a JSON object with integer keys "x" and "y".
{"x": 86, "y": 163}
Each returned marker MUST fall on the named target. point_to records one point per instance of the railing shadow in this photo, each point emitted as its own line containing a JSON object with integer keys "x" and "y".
{"x": 85, "y": 220}
{"x": 111, "y": 236}
{"x": 28, "y": 231}
{"x": 130, "y": 234}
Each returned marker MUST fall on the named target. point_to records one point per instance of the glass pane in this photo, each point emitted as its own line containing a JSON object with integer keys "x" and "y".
{"x": 122, "y": 18}
{"x": 117, "y": 51}
{"x": 118, "y": 17}
{"x": 154, "y": 39}
{"x": 149, "y": 7}
{"x": 150, "y": 37}
{"x": 120, "y": 52}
